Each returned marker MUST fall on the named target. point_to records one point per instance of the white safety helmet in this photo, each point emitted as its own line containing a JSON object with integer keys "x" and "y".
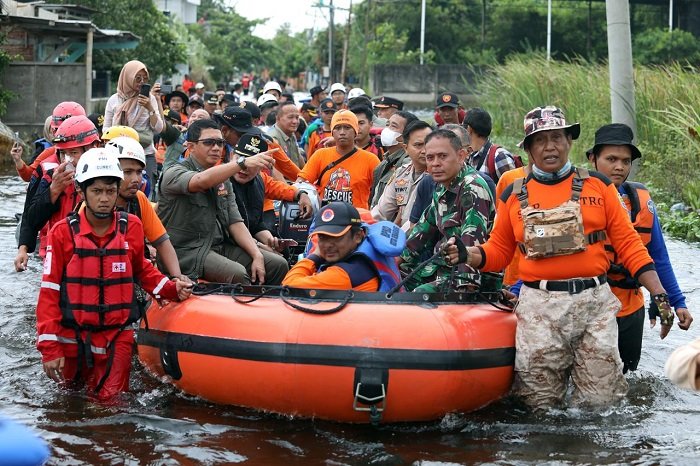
{"x": 356, "y": 92}
{"x": 266, "y": 99}
{"x": 96, "y": 163}
{"x": 127, "y": 148}
{"x": 337, "y": 87}
{"x": 272, "y": 86}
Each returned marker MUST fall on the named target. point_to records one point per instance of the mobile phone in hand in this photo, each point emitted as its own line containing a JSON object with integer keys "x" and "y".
{"x": 166, "y": 88}
{"x": 145, "y": 89}
{"x": 286, "y": 243}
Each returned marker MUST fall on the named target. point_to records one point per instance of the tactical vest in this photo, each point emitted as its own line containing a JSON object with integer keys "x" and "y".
{"x": 557, "y": 231}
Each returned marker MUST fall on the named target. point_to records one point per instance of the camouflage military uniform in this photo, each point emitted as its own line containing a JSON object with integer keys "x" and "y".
{"x": 462, "y": 210}
{"x": 549, "y": 322}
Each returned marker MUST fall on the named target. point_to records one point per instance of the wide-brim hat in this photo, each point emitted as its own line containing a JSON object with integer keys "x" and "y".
{"x": 546, "y": 119}
{"x": 180, "y": 94}
{"x": 615, "y": 134}
{"x": 236, "y": 118}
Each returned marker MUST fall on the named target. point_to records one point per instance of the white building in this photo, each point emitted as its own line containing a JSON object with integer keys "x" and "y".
{"x": 184, "y": 10}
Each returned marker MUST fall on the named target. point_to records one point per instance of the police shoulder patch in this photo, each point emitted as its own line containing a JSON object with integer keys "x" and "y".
{"x": 650, "y": 206}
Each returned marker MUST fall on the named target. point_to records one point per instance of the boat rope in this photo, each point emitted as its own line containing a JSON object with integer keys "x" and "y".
{"x": 285, "y": 293}
{"x": 239, "y": 289}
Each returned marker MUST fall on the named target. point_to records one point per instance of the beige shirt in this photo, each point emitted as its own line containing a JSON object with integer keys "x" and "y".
{"x": 681, "y": 366}
{"x": 397, "y": 200}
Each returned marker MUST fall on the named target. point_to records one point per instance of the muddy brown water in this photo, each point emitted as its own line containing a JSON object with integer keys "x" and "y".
{"x": 157, "y": 425}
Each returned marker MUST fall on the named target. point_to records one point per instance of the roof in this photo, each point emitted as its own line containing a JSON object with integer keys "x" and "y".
{"x": 71, "y": 27}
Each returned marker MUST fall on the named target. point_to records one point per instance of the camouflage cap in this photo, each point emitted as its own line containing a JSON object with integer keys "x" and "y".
{"x": 546, "y": 119}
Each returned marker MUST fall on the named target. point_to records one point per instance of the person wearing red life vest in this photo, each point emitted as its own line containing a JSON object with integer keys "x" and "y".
{"x": 87, "y": 307}
{"x": 52, "y": 196}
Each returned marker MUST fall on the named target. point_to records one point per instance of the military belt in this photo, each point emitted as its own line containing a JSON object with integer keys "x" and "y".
{"x": 573, "y": 286}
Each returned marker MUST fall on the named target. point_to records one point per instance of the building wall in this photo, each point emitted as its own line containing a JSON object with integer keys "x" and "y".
{"x": 419, "y": 85}
{"x": 37, "y": 92}
{"x": 185, "y": 10}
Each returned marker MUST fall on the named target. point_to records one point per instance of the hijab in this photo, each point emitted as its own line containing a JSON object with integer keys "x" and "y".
{"x": 128, "y": 91}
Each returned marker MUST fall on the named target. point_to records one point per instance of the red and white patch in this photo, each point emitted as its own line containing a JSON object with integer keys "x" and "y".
{"x": 327, "y": 215}
{"x": 118, "y": 267}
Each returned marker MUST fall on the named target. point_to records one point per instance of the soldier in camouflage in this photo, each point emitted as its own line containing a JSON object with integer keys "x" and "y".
{"x": 461, "y": 206}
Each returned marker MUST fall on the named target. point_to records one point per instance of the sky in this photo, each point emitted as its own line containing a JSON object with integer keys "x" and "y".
{"x": 300, "y": 14}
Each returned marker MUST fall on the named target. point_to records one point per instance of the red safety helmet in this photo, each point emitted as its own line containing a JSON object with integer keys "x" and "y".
{"x": 76, "y": 131}
{"x": 63, "y": 111}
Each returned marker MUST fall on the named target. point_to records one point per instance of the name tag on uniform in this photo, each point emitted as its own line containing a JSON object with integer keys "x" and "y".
{"x": 118, "y": 267}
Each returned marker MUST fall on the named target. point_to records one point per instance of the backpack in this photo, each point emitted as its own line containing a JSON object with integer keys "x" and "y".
{"x": 491, "y": 160}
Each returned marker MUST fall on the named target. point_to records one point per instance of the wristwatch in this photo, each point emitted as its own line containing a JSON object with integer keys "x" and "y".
{"x": 151, "y": 113}
{"x": 241, "y": 162}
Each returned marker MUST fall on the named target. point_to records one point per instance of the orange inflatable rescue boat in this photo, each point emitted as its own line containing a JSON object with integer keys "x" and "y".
{"x": 337, "y": 355}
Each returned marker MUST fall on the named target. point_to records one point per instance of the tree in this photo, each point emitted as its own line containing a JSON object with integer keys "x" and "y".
{"x": 659, "y": 46}
{"x": 159, "y": 48}
{"x": 5, "y": 95}
{"x": 229, "y": 40}
{"x": 291, "y": 53}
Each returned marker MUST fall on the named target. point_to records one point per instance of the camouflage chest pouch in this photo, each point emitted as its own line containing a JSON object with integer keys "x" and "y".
{"x": 553, "y": 232}
{"x": 557, "y": 231}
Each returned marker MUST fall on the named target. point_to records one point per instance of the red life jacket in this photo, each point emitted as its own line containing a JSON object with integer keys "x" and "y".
{"x": 97, "y": 292}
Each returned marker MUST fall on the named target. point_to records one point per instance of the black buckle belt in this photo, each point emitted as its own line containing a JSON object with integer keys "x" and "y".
{"x": 573, "y": 286}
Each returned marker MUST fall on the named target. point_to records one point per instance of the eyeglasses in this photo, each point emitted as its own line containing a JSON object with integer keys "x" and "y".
{"x": 141, "y": 79}
{"x": 212, "y": 142}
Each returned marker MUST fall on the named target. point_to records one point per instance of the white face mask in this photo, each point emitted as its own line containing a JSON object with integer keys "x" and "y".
{"x": 389, "y": 137}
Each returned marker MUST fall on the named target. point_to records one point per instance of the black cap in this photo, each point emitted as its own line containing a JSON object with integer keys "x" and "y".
{"x": 315, "y": 90}
{"x": 196, "y": 99}
{"x": 230, "y": 99}
{"x": 179, "y": 94}
{"x": 615, "y": 134}
{"x": 236, "y": 118}
{"x": 388, "y": 102}
{"x": 250, "y": 144}
{"x": 326, "y": 105}
{"x": 447, "y": 99}
{"x": 336, "y": 218}
{"x": 252, "y": 107}
{"x": 172, "y": 115}
{"x": 211, "y": 98}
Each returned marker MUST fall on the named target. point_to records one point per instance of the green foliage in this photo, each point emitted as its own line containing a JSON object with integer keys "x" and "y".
{"x": 229, "y": 41}
{"x": 5, "y": 95}
{"x": 160, "y": 49}
{"x": 658, "y": 46}
{"x": 681, "y": 225}
{"x": 671, "y": 154}
{"x": 291, "y": 52}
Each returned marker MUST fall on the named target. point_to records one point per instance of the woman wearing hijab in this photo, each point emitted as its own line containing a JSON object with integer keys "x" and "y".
{"x": 143, "y": 113}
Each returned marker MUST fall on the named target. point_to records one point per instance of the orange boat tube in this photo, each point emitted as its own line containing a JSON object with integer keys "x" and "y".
{"x": 337, "y": 355}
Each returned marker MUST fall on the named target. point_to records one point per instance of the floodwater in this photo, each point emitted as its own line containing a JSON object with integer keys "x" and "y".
{"x": 657, "y": 424}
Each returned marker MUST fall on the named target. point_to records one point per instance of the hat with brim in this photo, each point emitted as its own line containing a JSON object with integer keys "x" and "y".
{"x": 196, "y": 99}
{"x": 236, "y": 118}
{"x": 447, "y": 99}
{"x": 615, "y": 134}
{"x": 336, "y": 219}
{"x": 546, "y": 119}
{"x": 250, "y": 144}
{"x": 179, "y": 94}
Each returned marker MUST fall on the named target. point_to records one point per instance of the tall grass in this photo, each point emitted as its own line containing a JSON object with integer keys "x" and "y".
{"x": 666, "y": 99}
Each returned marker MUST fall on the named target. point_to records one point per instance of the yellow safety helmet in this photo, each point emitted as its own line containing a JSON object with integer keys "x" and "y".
{"x": 117, "y": 131}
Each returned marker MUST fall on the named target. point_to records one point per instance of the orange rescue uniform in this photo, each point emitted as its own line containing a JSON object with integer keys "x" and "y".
{"x": 510, "y": 276}
{"x": 349, "y": 181}
{"x": 601, "y": 209}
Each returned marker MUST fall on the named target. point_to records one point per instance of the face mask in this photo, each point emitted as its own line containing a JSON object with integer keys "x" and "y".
{"x": 389, "y": 137}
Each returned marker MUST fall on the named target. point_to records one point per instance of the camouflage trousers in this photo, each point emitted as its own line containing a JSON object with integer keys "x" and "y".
{"x": 561, "y": 335}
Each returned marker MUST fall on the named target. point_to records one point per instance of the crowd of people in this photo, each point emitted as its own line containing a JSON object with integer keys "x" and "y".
{"x": 179, "y": 187}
